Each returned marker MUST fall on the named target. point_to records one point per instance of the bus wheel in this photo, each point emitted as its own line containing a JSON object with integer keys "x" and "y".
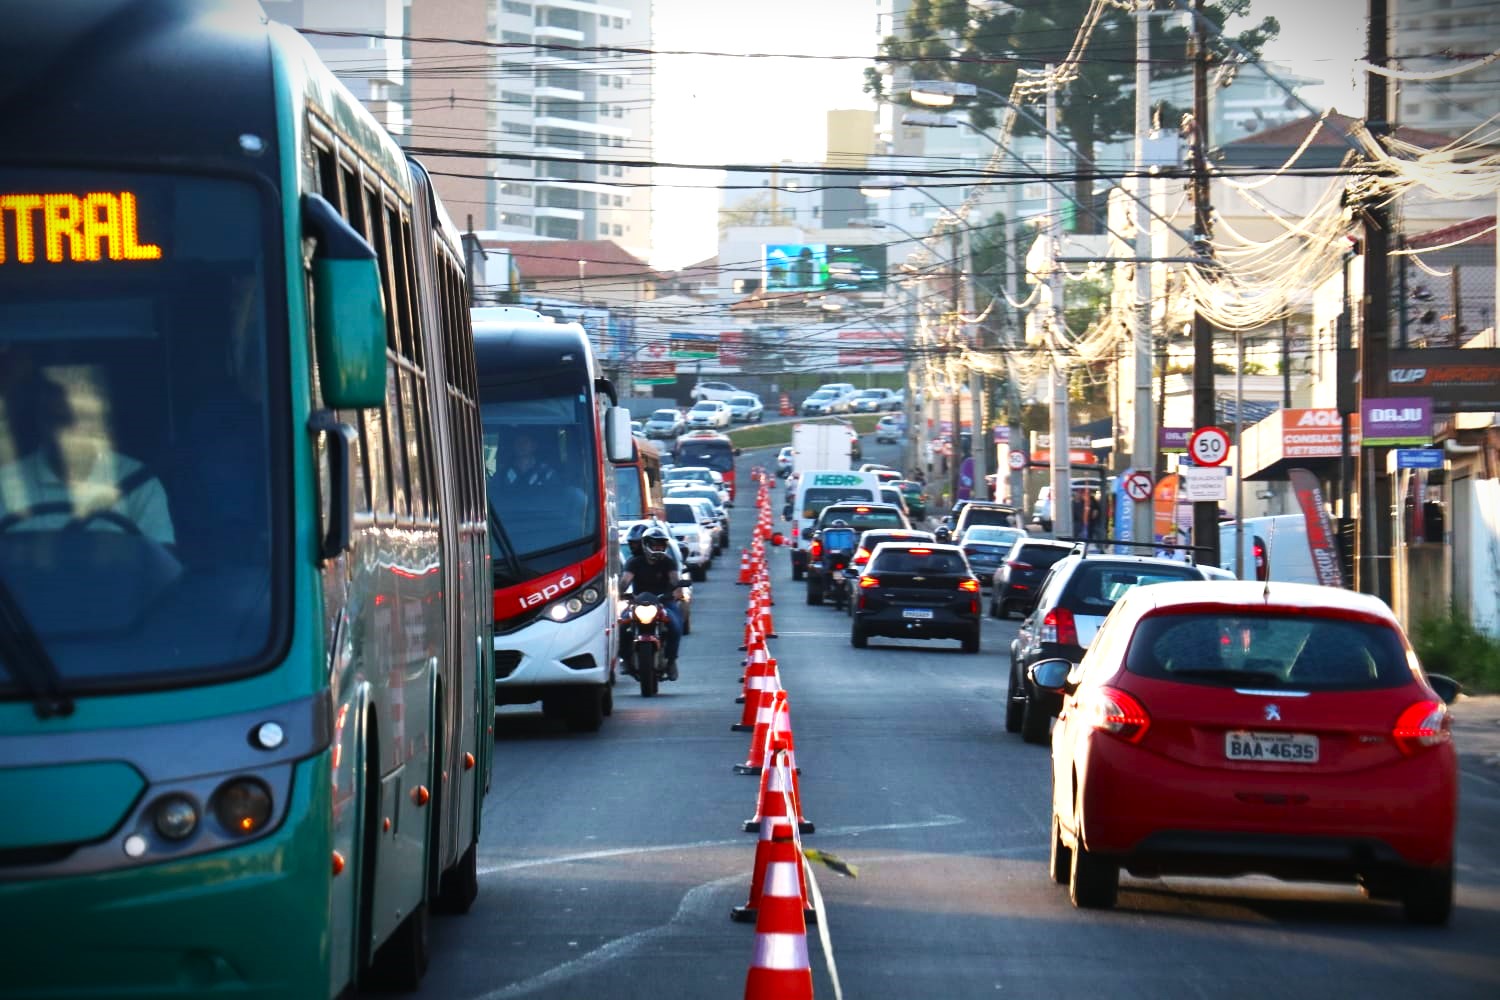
{"x": 460, "y": 884}
{"x": 586, "y": 713}
{"x": 401, "y": 962}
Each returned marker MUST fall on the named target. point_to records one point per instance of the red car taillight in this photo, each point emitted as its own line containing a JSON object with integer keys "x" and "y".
{"x": 970, "y": 585}
{"x": 1017, "y": 564}
{"x": 1112, "y": 711}
{"x": 866, "y": 582}
{"x": 815, "y": 551}
{"x": 862, "y": 554}
{"x": 1422, "y": 725}
{"x": 1259, "y": 551}
{"x": 1058, "y": 626}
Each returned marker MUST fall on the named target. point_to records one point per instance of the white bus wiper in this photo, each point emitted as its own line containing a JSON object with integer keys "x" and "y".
{"x": 27, "y": 660}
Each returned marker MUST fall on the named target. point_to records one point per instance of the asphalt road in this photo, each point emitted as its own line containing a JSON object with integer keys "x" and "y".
{"x": 609, "y": 862}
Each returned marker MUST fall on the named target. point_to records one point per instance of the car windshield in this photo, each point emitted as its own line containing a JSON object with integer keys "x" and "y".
{"x": 697, "y": 494}
{"x": 143, "y": 496}
{"x": 688, "y": 476}
{"x": 814, "y": 500}
{"x": 974, "y": 514}
{"x": 665, "y": 416}
{"x": 708, "y": 406}
{"x": 991, "y": 535}
{"x": 1097, "y": 584}
{"x": 1268, "y": 649}
{"x": 717, "y": 455}
{"x": 873, "y": 517}
{"x": 1042, "y": 556}
{"x": 927, "y": 562}
{"x": 742, "y": 401}
{"x": 681, "y": 513}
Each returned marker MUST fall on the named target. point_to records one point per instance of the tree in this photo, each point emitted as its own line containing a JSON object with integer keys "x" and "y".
{"x": 987, "y": 45}
{"x": 759, "y": 209}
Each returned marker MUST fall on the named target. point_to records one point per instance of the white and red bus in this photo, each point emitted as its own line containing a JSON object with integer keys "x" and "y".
{"x": 708, "y": 449}
{"x": 554, "y": 556}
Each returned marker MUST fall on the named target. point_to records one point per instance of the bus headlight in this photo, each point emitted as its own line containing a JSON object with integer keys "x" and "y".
{"x": 579, "y": 602}
{"x": 243, "y": 805}
{"x": 176, "y": 817}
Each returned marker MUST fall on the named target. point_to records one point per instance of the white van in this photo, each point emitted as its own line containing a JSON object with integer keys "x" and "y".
{"x": 816, "y": 489}
{"x": 1274, "y": 547}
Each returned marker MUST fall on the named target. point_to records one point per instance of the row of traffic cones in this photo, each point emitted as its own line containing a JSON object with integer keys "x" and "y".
{"x": 778, "y": 900}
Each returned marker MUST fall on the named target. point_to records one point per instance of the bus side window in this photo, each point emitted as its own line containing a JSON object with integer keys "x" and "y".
{"x": 395, "y": 437}
{"x": 419, "y": 444}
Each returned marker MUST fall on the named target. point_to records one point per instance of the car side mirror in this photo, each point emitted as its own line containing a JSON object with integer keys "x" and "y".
{"x": 1445, "y": 687}
{"x": 1052, "y": 675}
{"x": 806, "y": 534}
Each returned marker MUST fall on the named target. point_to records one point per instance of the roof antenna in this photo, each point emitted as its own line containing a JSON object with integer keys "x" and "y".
{"x": 1265, "y": 592}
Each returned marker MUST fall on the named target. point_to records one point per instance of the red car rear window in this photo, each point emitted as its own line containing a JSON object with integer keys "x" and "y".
{"x": 1244, "y": 649}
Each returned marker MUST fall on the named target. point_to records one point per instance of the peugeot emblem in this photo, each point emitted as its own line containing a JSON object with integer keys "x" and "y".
{"x": 1273, "y": 714}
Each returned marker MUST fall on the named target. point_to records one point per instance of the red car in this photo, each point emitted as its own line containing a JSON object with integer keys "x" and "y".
{"x": 1233, "y": 727}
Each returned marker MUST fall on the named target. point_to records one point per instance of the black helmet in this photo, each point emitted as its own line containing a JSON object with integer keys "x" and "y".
{"x": 943, "y": 533}
{"x": 633, "y": 538}
{"x": 839, "y": 522}
{"x": 656, "y": 543}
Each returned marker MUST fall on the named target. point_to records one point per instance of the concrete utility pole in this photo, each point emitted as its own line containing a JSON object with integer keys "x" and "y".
{"x": 1205, "y": 513}
{"x": 1143, "y": 445}
{"x": 1373, "y": 568}
{"x": 955, "y": 440}
{"x": 1013, "y": 389}
{"x": 1062, "y": 493}
{"x": 980, "y": 447}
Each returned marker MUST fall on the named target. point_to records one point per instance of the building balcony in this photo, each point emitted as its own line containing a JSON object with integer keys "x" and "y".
{"x": 574, "y": 125}
{"x": 584, "y": 7}
{"x": 561, "y": 184}
{"x": 550, "y": 58}
{"x": 562, "y": 152}
{"x": 551, "y": 33}
{"x": 550, "y": 93}
{"x": 555, "y": 212}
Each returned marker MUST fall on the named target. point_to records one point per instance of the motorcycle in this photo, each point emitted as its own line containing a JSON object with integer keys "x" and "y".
{"x": 643, "y": 633}
{"x": 838, "y": 554}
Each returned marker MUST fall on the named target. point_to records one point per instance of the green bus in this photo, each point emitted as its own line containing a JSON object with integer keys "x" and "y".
{"x": 246, "y": 699}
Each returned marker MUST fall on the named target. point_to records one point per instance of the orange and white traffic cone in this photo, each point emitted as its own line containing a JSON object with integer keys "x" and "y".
{"x": 779, "y": 969}
{"x": 755, "y": 683}
{"x": 767, "y": 623}
{"x": 779, "y": 799}
{"x": 760, "y": 737}
{"x": 745, "y": 571}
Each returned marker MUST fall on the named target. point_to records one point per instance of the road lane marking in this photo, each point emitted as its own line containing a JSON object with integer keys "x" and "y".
{"x": 564, "y": 859}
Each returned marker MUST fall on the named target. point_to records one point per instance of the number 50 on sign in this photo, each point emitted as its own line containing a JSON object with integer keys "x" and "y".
{"x": 1209, "y": 446}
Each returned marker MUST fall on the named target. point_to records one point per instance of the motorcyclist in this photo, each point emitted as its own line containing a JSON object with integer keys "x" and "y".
{"x": 655, "y": 571}
{"x": 944, "y": 533}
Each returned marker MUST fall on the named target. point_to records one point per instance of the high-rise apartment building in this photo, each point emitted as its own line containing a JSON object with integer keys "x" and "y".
{"x": 1433, "y": 35}
{"x": 550, "y": 116}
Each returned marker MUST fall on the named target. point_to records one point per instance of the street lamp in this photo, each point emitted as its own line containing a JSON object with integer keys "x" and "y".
{"x": 942, "y": 93}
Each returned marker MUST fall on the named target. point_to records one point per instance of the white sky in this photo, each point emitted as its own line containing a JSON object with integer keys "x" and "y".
{"x": 717, "y": 110}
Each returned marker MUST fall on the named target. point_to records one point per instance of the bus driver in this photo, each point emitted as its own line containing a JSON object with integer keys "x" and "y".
{"x": 73, "y": 476}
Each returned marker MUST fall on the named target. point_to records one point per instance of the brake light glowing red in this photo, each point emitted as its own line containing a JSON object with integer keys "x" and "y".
{"x": 970, "y": 585}
{"x": 1017, "y": 564}
{"x": 919, "y": 552}
{"x": 1425, "y": 724}
{"x": 1259, "y": 551}
{"x": 862, "y": 554}
{"x": 815, "y": 551}
{"x": 866, "y": 582}
{"x": 1111, "y": 710}
{"x": 1058, "y": 626}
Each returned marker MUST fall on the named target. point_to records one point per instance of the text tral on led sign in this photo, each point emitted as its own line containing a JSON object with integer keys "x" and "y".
{"x": 101, "y": 225}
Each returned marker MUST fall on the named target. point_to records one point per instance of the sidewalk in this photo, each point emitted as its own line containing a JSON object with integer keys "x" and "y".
{"x": 1476, "y": 732}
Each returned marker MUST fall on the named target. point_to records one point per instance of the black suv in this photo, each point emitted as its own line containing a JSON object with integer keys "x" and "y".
{"x": 1018, "y": 580}
{"x": 859, "y": 516}
{"x": 917, "y": 591}
{"x": 867, "y": 544}
{"x": 1076, "y": 596}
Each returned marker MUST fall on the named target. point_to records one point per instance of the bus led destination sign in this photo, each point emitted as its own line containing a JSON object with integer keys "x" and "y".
{"x": 99, "y": 225}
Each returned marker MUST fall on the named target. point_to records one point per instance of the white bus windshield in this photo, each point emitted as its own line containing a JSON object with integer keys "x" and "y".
{"x": 541, "y": 469}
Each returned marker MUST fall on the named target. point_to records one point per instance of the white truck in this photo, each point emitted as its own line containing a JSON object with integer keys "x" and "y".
{"x": 821, "y": 446}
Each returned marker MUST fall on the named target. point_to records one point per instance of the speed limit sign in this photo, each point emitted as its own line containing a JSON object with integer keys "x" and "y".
{"x": 1209, "y": 446}
{"x": 1018, "y": 460}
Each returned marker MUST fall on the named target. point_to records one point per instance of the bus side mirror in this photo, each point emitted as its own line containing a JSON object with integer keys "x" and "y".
{"x": 348, "y": 310}
{"x": 619, "y": 444}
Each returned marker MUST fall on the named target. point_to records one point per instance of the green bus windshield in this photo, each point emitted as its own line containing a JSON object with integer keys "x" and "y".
{"x": 136, "y": 467}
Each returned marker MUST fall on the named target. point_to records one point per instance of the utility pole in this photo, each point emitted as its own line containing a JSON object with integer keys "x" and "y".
{"x": 1143, "y": 446}
{"x": 1062, "y": 493}
{"x": 1373, "y": 571}
{"x": 1205, "y": 513}
{"x": 1013, "y": 337}
{"x": 980, "y": 446}
{"x": 955, "y": 440}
